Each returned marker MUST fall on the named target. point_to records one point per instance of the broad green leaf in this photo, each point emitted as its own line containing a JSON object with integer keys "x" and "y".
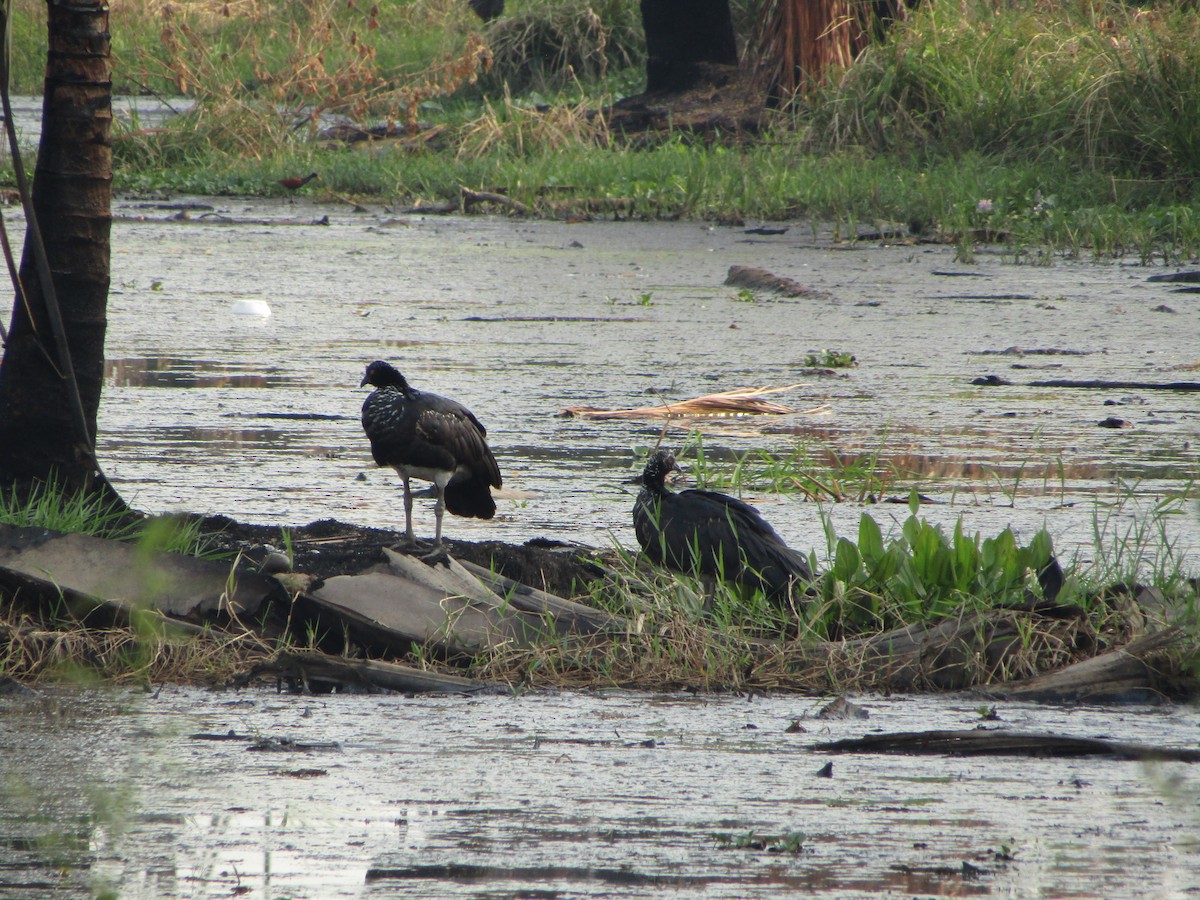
{"x": 847, "y": 563}
{"x": 870, "y": 539}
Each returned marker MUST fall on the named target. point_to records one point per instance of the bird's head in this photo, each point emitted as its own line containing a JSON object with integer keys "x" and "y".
{"x": 660, "y": 464}
{"x": 382, "y": 374}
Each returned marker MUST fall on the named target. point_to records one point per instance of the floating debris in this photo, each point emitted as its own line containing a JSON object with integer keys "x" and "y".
{"x": 737, "y": 402}
{"x": 762, "y": 280}
{"x": 1002, "y": 742}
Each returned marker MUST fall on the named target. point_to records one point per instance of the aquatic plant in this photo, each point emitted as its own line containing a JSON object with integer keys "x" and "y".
{"x": 816, "y": 473}
{"x": 791, "y": 842}
{"x": 921, "y": 574}
{"x": 831, "y": 359}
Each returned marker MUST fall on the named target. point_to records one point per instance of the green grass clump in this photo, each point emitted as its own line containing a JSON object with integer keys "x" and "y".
{"x": 831, "y": 359}
{"x": 49, "y": 505}
{"x": 1067, "y": 126}
{"x": 1110, "y": 86}
{"x": 817, "y": 474}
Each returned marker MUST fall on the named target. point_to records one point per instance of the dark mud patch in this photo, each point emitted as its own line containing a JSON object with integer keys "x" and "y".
{"x": 327, "y": 548}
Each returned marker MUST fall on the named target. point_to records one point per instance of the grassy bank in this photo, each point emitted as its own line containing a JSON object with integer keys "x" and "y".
{"x": 1067, "y": 125}
{"x": 909, "y": 607}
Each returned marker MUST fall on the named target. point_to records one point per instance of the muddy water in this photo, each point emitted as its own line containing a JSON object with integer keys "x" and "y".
{"x": 578, "y": 795}
{"x": 212, "y": 407}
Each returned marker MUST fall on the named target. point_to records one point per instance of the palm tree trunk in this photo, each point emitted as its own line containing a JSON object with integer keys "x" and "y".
{"x": 47, "y": 428}
{"x": 798, "y": 42}
{"x": 682, "y": 37}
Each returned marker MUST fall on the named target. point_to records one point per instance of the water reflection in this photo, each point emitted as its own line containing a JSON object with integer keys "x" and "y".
{"x": 179, "y": 372}
{"x": 454, "y": 797}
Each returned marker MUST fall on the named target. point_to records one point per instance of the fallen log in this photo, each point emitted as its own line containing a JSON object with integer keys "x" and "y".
{"x": 1002, "y": 742}
{"x": 472, "y": 198}
{"x": 1120, "y": 675}
{"x": 391, "y": 615}
{"x": 1118, "y": 385}
{"x": 445, "y": 608}
{"x": 307, "y": 667}
{"x": 99, "y": 575}
{"x": 948, "y": 654}
{"x": 1176, "y": 277}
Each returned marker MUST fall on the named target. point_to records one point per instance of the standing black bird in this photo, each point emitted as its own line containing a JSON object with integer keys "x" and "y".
{"x": 433, "y": 438}
{"x": 709, "y": 534}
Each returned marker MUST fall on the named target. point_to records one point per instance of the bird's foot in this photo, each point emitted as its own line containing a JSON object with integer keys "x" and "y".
{"x": 411, "y": 544}
{"x": 439, "y": 555}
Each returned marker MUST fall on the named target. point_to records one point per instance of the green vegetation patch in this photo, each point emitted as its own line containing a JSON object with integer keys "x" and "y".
{"x": 1070, "y": 126}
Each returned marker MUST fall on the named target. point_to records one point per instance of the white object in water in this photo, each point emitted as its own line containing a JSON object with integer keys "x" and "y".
{"x": 251, "y": 308}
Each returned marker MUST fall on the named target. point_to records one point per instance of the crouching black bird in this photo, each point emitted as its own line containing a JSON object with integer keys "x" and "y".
{"x": 714, "y": 535}
{"x": 433, "y": 438}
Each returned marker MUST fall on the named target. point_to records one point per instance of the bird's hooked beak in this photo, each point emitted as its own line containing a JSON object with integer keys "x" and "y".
{"x": 365, "y": 380}
{"x": 676, "y": 473}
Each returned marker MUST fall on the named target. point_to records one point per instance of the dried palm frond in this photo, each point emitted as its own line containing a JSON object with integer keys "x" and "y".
{"x": 738, "y": 402}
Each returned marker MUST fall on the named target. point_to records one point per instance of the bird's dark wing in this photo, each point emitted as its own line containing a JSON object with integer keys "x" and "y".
{"x": 722, "y": 535}
{"x": 448, "y": 424}
{"x": 745, "y": 518}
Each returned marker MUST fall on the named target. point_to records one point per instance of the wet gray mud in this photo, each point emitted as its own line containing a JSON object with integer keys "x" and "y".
{"x": 212, "y": 405}
{"x": 574, "y": 795}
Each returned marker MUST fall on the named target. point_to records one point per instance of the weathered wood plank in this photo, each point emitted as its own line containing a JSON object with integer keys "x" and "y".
{"x": 126, "y": 576}
{"x": 311, "y": 666}
{"x": 387, "y": 609}
{"x": 569, "y": 615}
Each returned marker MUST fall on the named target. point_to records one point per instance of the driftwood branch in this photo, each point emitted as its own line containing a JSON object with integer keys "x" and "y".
{"x": 1001, "y": 742}
{"x": 995, "y": 648}
{"x": 307, "y": 667}
{"x": 1122, "y": 674}
{"x": 569, "y": 616}
{"x": 472, "y": 198}
{"x": 1119, "y": 385}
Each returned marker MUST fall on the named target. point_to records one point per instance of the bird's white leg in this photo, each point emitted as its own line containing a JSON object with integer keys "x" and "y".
{"x": 438, "y": 509}
{"x": 408, "y": 507}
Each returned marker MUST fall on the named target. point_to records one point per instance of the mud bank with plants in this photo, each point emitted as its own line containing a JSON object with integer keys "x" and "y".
{"x": 920, "y": 611}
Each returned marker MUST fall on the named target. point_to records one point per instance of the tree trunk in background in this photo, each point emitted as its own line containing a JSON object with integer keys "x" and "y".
{"x": 797, "y": 42}
{"x": 40, "y": 438}
{"x": 682, "y": 36}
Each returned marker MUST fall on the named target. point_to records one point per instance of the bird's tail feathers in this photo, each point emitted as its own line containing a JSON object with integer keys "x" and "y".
{"x": 471, "y": 498}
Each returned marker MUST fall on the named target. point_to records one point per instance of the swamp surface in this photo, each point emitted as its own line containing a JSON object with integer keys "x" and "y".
{"x": 212, "y": 405}
{"x": 603, "y": 794}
